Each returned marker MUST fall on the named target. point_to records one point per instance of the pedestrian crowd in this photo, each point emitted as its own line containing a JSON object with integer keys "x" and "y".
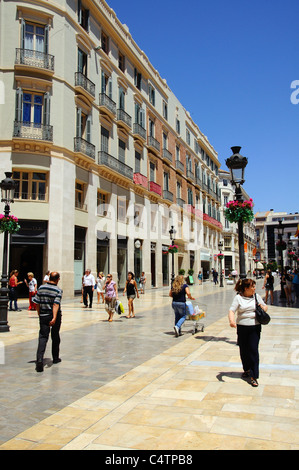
{"x": 46, "y": 300}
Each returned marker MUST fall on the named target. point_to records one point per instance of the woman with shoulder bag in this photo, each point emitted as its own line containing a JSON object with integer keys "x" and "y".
{"x": 111, "y": 295}
{"x": 248, "y": 328}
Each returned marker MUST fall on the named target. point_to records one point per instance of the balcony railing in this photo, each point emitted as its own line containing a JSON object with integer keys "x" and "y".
{"x": 155, "y": 188}
{"x": 124, "y": 117}
{"x": 32, "y": 130}
{"x": 167, "y": 195}
{"x": 167, "y": 154}
{"x": 190, "y": 174}
{"x": 139, "y": 130}
{"x": 34, "y": 59}
{"x": 152, "y": 142}
{"x": 107, "y": 160}
{"x": 106, "y": 102}
{"x": 179, "y": 165}
{"x": 140, "y": 179}
{"x": 180, "y": 202}
{"x": 82, "y": 146}
{"x": 85, "y": 83}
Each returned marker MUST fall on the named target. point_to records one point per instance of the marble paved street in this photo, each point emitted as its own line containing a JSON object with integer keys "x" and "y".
{"x": 131, "y": 384}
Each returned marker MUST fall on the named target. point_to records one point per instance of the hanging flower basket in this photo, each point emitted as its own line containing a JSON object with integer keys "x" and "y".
{"x": 9, "y": 223}
{"x": 291, "y": 254}
{"x": 238, "y": 210}
{"x": 281, "y": 245}
{"x": 220, "y": 256}
{"x": 173, "y": 249}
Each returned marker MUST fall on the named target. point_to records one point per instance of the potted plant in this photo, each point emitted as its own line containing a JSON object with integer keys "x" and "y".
{"x": 281, "y": 245}
{"x": 239, "y": 210}
{"x": 9, "y": 223}
{"x": 182, "y": 272}
{"x": 173, "y": 249}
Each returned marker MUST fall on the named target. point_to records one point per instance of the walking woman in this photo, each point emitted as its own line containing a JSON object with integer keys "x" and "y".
{"x": 269, "y": 285}
{"x": 13, "y": 284}
{"x": 131, "y": 289}
{"x": 101, "y": 286}
{"x": 111, "y": 295}
{"x": 248, "y": 329}
{"x": 178, "y": 292}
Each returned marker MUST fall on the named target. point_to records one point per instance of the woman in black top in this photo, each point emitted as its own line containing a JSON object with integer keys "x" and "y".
{"x": 178, "y": 292}
{"x": 269, "y": 285}
{"x": 131, "y": 289}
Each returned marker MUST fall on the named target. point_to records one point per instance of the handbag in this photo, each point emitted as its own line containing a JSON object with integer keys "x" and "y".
{"x": 260, "y": 315}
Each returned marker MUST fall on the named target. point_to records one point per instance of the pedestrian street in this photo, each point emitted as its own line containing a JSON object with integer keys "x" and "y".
{"x": 130, "y": 384}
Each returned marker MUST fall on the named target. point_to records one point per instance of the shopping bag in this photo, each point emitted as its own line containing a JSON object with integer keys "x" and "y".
{"x": 189, "y": 306}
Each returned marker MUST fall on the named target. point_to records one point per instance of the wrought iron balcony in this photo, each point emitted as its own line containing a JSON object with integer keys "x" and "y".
{"x": 32, "y": 130}
{"x": 167, "y": 155}
{"x": 119, "y": 167}
{"x": 82, "y": 146}
{"x": 34, "y": 59}
{"x": 179, "y": 166}
{"x": 167, "y": 195}
{"x": 190, "y": 174}
{"x": 153, "y": 143}
{"x": 85, "y": 83}
{"x": 139, "y": 130}
{"x": 106, "y": 102}
{"x": 124, "y": 117}
{"x": 180, "y": 202}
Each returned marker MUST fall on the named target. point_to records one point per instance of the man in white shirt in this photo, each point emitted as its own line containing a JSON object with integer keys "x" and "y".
{"x": 88, "y": 287}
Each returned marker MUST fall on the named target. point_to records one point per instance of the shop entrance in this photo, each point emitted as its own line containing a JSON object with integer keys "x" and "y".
{"x": 26, "y": 258}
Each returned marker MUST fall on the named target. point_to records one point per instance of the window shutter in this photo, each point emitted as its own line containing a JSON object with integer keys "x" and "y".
{"x": 110, "y": 87}
{"x": 19, "y": 104}
{"x": 22, "y": 33}
{"x": 46, "y": 116}
{"x": 142, "y": 118}
{"x": 88, "y": 128}
{"x": 46, "y": 43}
{"x": 79, "y": 12}
{"x": 78, "y": 123}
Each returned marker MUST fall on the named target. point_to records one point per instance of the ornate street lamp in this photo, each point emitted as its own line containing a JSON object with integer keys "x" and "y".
{"x": 7, "y": 196}
{"x": 220, "y": 246}
{"x": 237, "y": 164}
{"x": 172, "y": 233}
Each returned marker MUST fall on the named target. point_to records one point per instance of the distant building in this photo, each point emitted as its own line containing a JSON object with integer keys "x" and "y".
{"x": 267, "y": 235}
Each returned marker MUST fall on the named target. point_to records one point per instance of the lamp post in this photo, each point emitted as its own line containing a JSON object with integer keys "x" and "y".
{"x": 237, "y": 164}
{"x": 7, "y": 195}
{"x": 220, "y": 246}
{"x": 172, "y": 233}
{"x": 280, "y": 231}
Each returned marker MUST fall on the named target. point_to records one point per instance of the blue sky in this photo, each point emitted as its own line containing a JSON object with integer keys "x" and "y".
{"x": 231, "y": 64}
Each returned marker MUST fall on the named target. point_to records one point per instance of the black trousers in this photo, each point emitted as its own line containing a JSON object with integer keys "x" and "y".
{"x": 248, "y": 341}
{"x": 87, "y": 291}
{"x": 44, "y": 332}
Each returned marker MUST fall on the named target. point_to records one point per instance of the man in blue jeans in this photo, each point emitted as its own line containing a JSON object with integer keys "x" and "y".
{"x": 48, "y": 305}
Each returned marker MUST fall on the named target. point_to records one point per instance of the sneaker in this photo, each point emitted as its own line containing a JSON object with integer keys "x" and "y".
{"x": 176, "y": 331}
{"x": 39, "y": 366}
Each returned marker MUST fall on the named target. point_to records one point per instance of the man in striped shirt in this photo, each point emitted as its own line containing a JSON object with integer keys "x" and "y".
{"x": 48, "y": 305}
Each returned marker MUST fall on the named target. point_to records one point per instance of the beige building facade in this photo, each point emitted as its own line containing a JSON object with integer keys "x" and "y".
{"x": 105, "y": 158}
